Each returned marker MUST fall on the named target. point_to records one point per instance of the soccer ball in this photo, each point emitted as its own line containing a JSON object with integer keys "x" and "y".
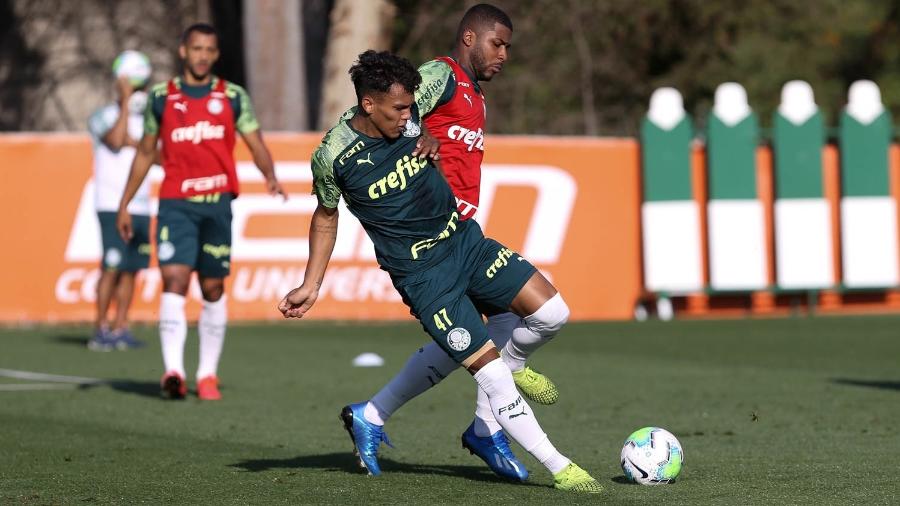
{"x": 652, "y": 456}
{"x": 135, "y": 65}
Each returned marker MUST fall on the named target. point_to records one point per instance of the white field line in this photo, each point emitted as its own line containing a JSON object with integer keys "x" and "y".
{"x": 39, "y": 376}
{"x": 19, "y": 387}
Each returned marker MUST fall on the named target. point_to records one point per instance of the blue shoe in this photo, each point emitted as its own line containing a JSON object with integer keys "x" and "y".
{"x": 125, "y": 340}
{"x": 366, "y": 436}
{"x": 494, "y": 450}
{"x": 101, "y": 341}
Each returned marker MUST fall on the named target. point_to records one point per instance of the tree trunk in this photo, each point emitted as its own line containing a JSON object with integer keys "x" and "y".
{"x": 274, "y": 61}
{"x": 355, "y": 27}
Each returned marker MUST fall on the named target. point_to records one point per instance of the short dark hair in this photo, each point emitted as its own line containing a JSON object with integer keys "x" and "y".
{"x": 204, "y": 28}
{"x": 376, "y": 71}
{"x": 482, "y": 17}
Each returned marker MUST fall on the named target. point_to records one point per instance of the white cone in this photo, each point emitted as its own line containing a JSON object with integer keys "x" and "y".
{"x": 368, "y": 360}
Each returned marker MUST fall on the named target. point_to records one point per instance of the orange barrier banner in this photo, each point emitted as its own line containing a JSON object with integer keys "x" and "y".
{"x": 569, "y": 205}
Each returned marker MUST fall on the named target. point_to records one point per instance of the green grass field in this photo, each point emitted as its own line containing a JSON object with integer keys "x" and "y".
{"x": 793, "y": 411}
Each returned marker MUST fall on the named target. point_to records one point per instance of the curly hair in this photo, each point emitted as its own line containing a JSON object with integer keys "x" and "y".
{"x": 377, "y": 71}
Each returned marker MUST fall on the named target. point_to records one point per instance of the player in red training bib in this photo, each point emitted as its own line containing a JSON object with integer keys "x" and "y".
{"x": 195, "y": 117}
{"x": 452, "y": 104}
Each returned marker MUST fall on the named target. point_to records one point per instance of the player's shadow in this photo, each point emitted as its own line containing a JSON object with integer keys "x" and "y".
{"x": 346, "y": 462}
{"x": 71, "y": 339}
{"x": 883, "y": 385}
{"x": 142, "y": 388}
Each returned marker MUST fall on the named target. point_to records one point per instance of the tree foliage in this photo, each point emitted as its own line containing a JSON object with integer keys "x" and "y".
{"x": 589, "y": 67}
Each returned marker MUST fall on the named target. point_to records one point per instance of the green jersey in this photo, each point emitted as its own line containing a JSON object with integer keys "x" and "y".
{"x": 403, "y": 203}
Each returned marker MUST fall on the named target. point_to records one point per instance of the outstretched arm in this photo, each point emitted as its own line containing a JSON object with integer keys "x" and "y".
{"x": 143, "y": 158}
{"x": 263, "y": 161}
{"x": 322, "y": 235}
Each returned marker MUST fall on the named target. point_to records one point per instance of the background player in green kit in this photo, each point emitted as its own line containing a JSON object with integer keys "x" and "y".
{"x": 195, "y": 116}
{"x": 114, "y": 130}
{"x": 441, "y": 266}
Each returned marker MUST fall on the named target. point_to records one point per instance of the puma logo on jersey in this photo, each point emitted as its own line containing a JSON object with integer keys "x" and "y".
{"x": 468, "y": 99}
{"x": 352, "y": 151}
{"x": 367, "y": 159}
{"x": 181, "y": 106}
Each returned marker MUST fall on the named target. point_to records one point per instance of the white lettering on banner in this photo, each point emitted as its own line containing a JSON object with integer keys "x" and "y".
{"x": 66, "y": 286}
{"x": 251, "y": 284}
{"x": 265, "y": 283}
{"x": 79, "y": 285}
{"x": 343, "y": 284}
{"x": 548, "y": 224}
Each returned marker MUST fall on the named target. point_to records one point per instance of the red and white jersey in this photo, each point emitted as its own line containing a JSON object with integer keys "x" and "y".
{"x": 197, "y": 137}
{"x": 454, "y": 111}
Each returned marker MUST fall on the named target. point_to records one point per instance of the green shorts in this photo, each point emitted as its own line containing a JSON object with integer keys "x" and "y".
{"x": 119, "y": 256}
{"x": 449, "y": 298}
{"x": 196, "y": 232}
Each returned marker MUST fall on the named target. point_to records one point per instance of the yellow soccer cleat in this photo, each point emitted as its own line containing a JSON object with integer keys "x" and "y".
{"x": 535, "y": 386}
{"x": 576, "y": 479}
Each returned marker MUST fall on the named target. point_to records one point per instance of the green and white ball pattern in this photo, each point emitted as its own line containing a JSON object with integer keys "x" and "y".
{"x": 652, "y": 456}
{"x": 135, "y": 65}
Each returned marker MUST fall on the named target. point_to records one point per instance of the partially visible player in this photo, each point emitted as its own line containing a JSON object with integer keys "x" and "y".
{"x": 453, "y": 106}
{"x": 195, "y": 117}
{"x": 115, "y": 130}
{"x": 443, "y": 267}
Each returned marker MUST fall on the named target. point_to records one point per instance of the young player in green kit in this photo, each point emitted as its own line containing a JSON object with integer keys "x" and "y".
{"x": 441, "y": 266}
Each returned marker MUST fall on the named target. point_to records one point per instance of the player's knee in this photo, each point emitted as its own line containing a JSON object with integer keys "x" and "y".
{"x": 212, "y": 289}
{"x": 213, "y": 294}
{"x": 175, "y": 285}
{"x": 550, "y": 318}
{"x": 176, "y": 279}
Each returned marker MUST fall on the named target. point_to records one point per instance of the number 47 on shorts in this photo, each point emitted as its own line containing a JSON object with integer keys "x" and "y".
{"x": 441, "y": 320}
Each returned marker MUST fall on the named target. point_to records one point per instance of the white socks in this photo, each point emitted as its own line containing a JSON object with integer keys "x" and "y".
{"x": 172, "y": 331}
{"x": 534, "y": 331}
{"x": 485, "y": 423}
{"x": 517, "y": 337}
{"x": 500, "y": 328}
{"x": 424, "y": 369}
{"x": 211, "y": 326}
{"x": 515, "y": 416}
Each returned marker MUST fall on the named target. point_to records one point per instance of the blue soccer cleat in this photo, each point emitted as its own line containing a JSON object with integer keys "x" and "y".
{"x": 366, "y": 436}
{"x": 494, "y": 450}
{"x": 101, "y": 341}
{"x": 125, "y": 340}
